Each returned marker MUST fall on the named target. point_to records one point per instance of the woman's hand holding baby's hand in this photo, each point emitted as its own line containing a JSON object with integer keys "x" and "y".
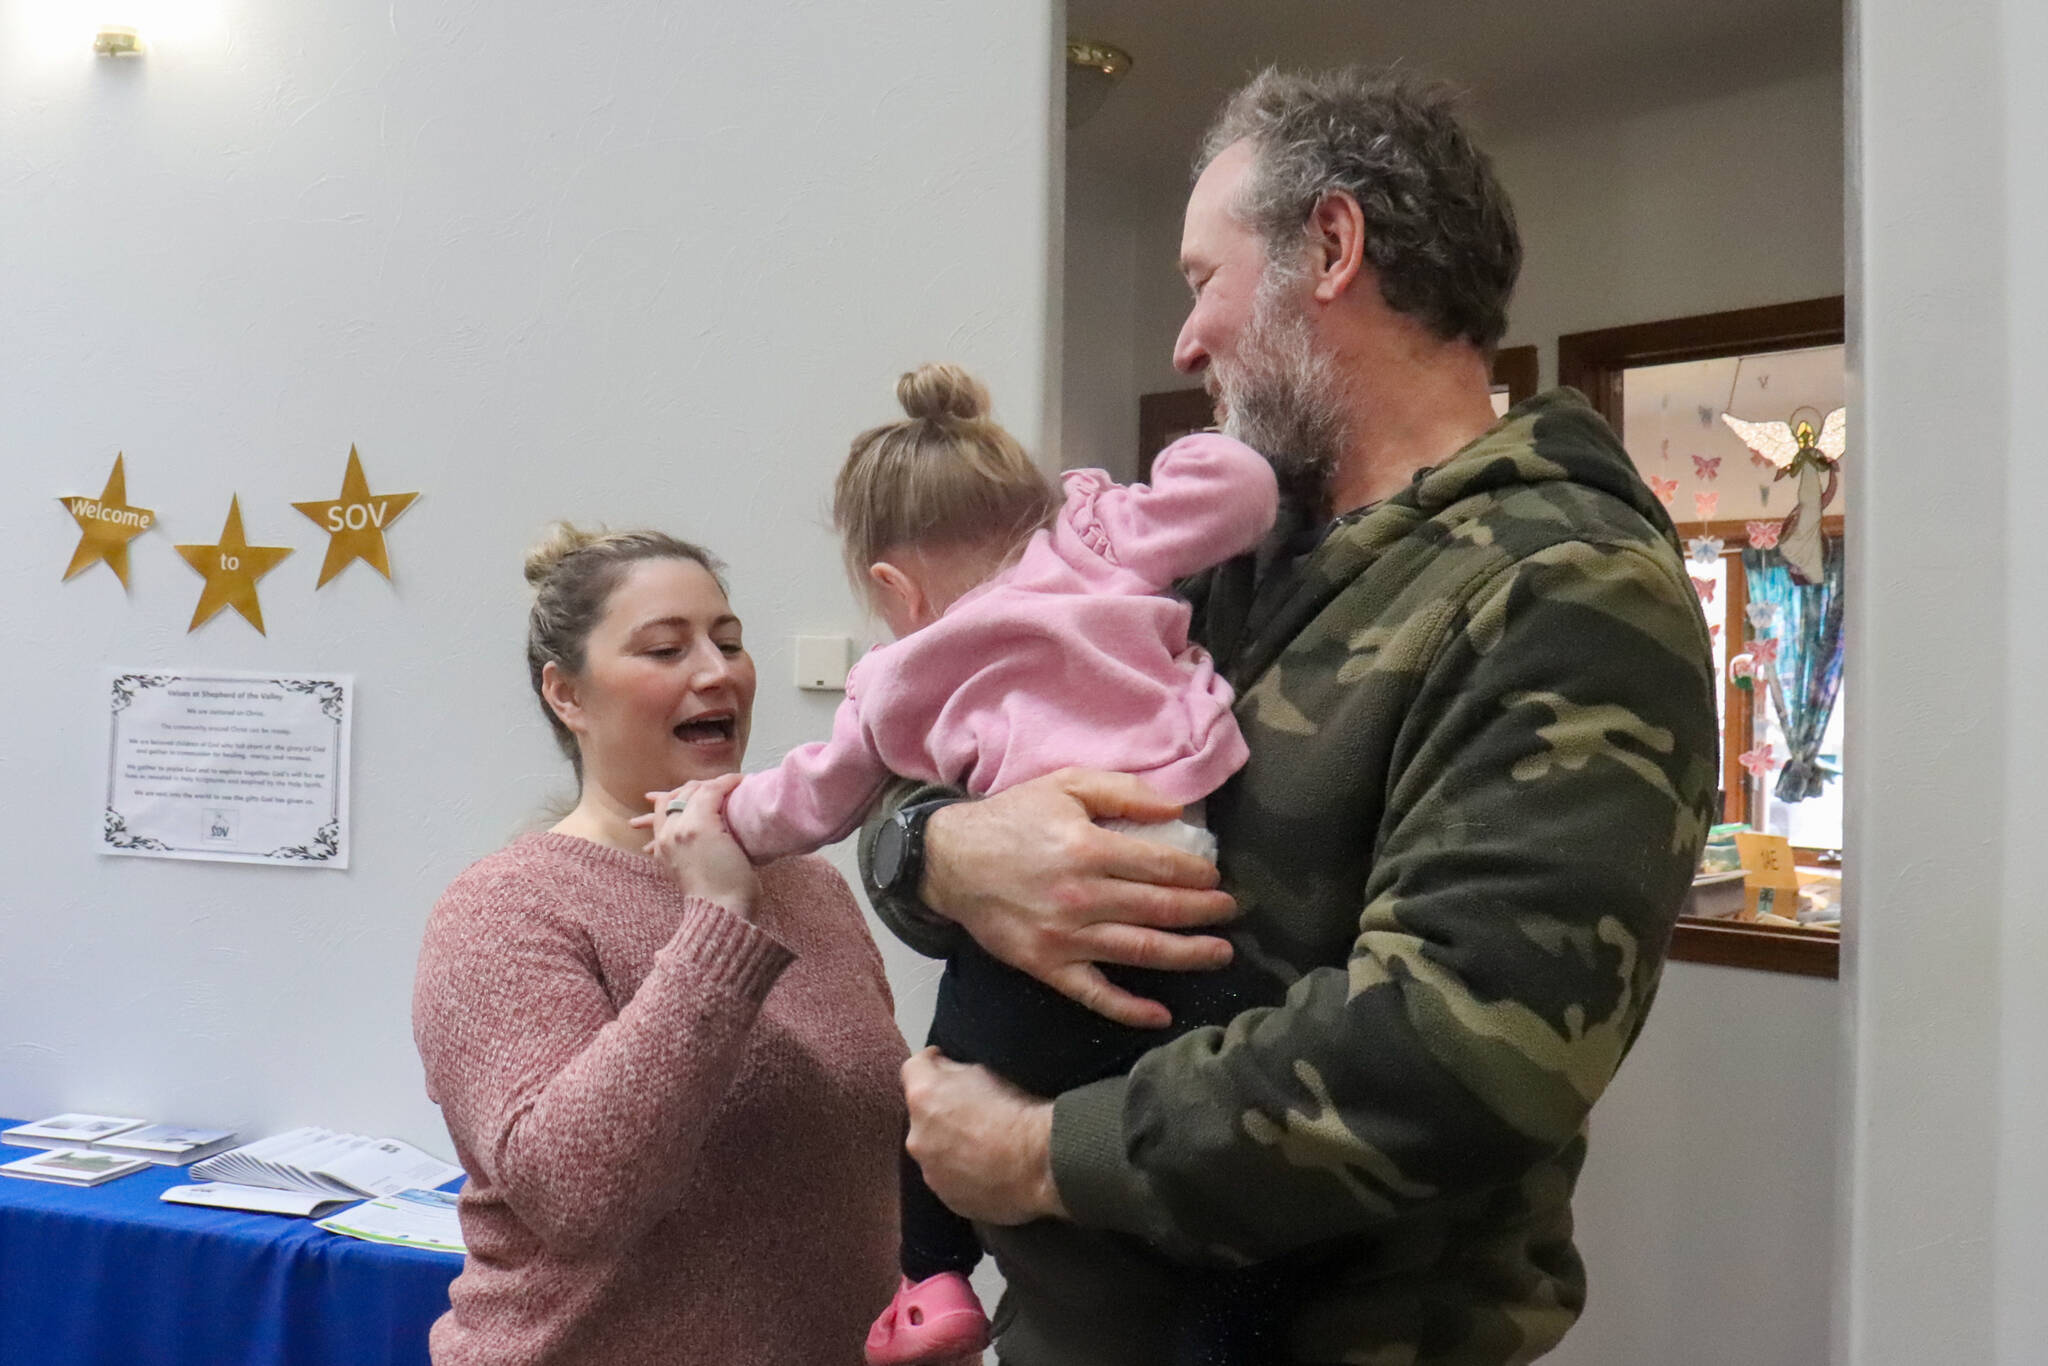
{"x": 694, "y": 843}
{"x": 660, "y": 802}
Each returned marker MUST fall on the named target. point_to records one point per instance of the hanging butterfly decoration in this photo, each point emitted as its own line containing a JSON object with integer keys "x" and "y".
{"x": 1759, "y": 761}
{"x": 1704, "y": 549}
{"x": 1762, "y": 615}
{"x": 1666, "y": 489}
{"x": 1705, "y": 504}
{"x": 1705, "y": 588}
{"x": 1762, "y": 462}
{"x": 1764, "y": 535}
{"x": 1811, "y": 458}
{"x": 1764, "y": 650}
{"x": 1705, "y": 468}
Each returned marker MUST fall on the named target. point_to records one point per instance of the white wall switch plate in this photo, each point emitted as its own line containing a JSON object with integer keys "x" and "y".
{"x": 821, "y": 662}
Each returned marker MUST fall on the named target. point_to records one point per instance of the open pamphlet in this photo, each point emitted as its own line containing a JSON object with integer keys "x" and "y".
{"x": 316, "y": 1162}
{"x": 73, "y": 1167}
{"x": 415, "y": 1218}
{"x": 261, "y": 1199}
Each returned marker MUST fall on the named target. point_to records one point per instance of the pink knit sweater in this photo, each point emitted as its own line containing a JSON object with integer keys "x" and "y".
{"x": 680, "y": 1126}
{"x": 1071, "y": 656}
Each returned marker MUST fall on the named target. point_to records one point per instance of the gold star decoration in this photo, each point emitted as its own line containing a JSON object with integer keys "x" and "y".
{"x": 106, "y": 524}
{"x": 231, "y": 569}
{"x": 355, "y": 522}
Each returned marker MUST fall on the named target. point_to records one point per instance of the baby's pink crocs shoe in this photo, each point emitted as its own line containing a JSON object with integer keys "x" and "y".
{"x": 937, "y": 1318}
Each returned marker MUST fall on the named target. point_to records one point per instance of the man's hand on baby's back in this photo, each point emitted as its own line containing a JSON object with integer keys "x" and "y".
{"x": 1032, "y": 877}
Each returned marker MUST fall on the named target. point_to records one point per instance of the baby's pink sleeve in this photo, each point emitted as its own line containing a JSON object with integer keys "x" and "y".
{"x": 816, "y": 796}
{"x": 1211, "y": 498}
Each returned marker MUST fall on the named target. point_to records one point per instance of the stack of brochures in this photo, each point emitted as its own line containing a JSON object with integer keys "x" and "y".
{"x": 68, "y": 1130}
{"x": 73, "y": 1167}
{"x": 303, "y": 1171}
{"x": 168, "y": 1145}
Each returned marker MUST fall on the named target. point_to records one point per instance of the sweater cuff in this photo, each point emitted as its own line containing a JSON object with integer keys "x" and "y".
{"x": 1096, "y": 1180}
{"x": 717, "y": 946}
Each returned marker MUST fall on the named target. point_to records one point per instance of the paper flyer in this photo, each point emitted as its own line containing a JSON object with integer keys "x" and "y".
{"x": 234, "y": 767}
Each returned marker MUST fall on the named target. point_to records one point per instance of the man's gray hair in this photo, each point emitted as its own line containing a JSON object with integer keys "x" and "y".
{"x": 1439, "y": 230}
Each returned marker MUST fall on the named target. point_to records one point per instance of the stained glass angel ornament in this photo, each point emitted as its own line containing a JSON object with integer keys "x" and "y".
{"x": 1813, "y": 460}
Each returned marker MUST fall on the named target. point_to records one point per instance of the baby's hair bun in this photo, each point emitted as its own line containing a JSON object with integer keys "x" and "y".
{"x": 941, "y": 392}
{"x": 557, "y": 543}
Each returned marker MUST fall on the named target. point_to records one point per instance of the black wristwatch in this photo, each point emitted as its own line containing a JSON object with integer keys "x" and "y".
{"x": 898, "y": 863}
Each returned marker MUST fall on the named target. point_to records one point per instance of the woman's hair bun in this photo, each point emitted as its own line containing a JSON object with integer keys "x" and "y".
{"x": 936, "y": 393}
{"x": 557, "y": 543}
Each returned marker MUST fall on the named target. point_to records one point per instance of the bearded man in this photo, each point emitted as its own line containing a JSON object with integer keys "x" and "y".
{"x": 1475, "y": 683}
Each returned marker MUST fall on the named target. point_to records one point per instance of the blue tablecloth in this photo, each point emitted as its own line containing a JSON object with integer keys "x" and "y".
{"x": 113, "y": 1276}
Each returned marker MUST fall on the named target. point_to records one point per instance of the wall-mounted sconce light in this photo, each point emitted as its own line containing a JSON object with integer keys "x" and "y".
{"x": 1092, "y": 69}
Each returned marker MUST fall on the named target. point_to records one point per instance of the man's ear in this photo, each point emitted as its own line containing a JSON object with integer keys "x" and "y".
{"x": 897, "y": 587}
{"x": 1336, "y": 245}
{"x": 558, "y": 690}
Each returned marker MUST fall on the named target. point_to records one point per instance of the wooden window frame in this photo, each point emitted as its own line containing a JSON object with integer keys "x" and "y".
{"x": 1593, "y": 363}
{"x": 1515, "y": 369}
{"x": 1165, "y": 417}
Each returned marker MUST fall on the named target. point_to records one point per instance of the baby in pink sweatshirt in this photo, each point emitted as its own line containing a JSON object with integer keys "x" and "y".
{"x": 1033, "y": 633}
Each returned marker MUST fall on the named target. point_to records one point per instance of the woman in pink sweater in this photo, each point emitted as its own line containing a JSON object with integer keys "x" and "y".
{"x": 672, "y": 1080}
{"x": 1033, "y": 633}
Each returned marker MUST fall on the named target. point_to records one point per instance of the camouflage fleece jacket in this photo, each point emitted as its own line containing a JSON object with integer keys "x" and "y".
{"x": 1482, "y": 732}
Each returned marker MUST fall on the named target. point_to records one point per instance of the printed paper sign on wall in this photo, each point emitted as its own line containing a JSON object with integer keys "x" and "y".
{"x": 229, "y": 767}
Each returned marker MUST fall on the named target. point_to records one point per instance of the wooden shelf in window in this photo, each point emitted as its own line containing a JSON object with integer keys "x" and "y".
{"x": 1765, "y": 948}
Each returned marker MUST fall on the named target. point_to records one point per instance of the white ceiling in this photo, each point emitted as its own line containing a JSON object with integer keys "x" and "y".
{"x": 1531, "y": 64}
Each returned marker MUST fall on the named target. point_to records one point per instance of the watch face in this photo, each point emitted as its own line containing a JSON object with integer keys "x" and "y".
{"x": 890, "y": 843}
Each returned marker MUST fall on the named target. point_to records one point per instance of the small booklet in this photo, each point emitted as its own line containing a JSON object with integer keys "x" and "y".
{"x": 415, "y": 1218}
{"x": 323, "y": 1162}
{"x": 68, "y": 1131}
{"x": 261, "y": 1199}
{"x": 167, "y": 1145}
{"x": 73, "y": 1167}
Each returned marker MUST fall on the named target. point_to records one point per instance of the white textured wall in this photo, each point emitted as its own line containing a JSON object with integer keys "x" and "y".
{"x": 1729, "y": 203}
{"x": 2020, "y": 1241}
{"x": 1098, "y": 408}
{"x": 1945, "y": 1191}
{"x": 1706, "y": 1208}
{"x": 629, "y": 261}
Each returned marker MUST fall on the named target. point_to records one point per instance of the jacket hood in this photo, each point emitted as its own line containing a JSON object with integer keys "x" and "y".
{"x": 1554, "y": 437}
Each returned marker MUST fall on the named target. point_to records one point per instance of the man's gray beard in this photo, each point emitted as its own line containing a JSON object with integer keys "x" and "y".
{"x": 1280, "y": 397}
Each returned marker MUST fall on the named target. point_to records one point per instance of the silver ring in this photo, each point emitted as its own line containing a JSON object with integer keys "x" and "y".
{"x": 676, "y": 806}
